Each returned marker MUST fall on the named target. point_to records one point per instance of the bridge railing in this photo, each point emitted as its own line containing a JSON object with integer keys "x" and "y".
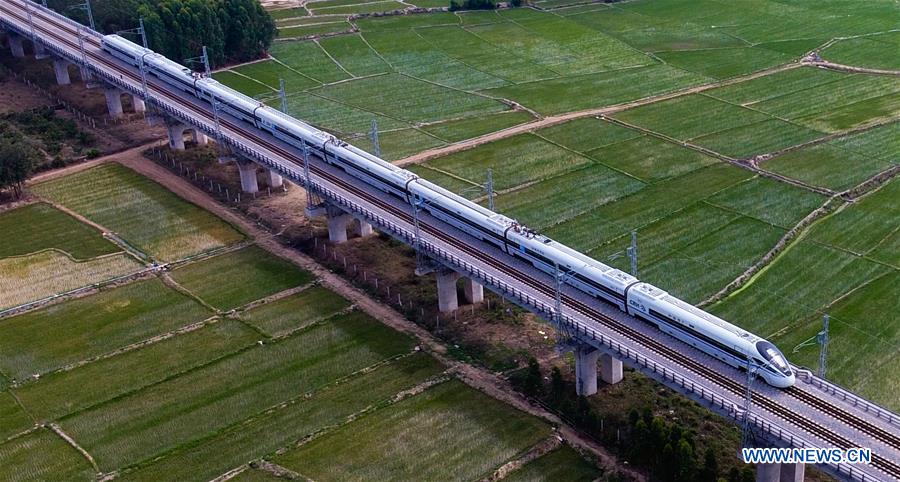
{"x": 847, "y": 396}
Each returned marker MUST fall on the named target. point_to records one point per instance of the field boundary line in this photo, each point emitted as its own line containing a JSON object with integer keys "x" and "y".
{"x": 274, "y": 297}
{"x": 548, "y": 121}
{"x": 328, "y": 54}
{"x": 174, "y": 285}
{"x": 267, "y": 56}
{"x": 312, "y": 323}
{"x": 790, "y": 239}
{"x": 537, "y": 450}
{"x": 69, "y": 440}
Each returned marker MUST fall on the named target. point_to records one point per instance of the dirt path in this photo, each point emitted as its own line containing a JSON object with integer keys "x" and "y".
{"x": 477, "y": 378}
{"x": 132, "y": 153}
{"x": 559, "y": 119}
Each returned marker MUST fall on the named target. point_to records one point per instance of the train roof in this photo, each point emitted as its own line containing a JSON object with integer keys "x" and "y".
{"x": 710, "y": 318}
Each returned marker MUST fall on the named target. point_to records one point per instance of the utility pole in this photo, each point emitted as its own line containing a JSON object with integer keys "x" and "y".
{"x": 85, "y": 73}
{"x": 823, "y": 351}
{"x": 309, "y": 187}
{"x": 86, "y": 6}
{"x": 283, "y": 95}
{"x": 206, "y": 61}
{"x": 418, "y": 242}
{"x": 376, "y": 145}
{"x": 631, "y": 251}
{"x": 746, "y": 433}
{"x": 489, "y": 187}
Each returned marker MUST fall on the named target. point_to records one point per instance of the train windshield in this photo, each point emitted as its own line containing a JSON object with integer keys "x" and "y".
{"x": 773, "y": 356}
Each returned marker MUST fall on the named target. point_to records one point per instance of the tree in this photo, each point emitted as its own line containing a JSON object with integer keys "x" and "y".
{"x": 557, "y": 386}
{"x": 686, "y": 464}
{"x": 710, "y": 470}
{"x": 533, "y": 384}
{"x": 16, "y": 164}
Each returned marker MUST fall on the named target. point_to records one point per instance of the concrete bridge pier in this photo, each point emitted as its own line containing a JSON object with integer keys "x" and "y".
{"x": 780, "y": 472}
{"x": 138, "y": 104}
{"x": 473, "y": 291}
{"x": 586, "y": 370}
{"x": 16, "y": 46}
{"x": 338, "y": 222}
{"x": 273, "y": 179}
{"x": 113, "y": 101}
{"x": 176, "y": 135}
{"x": 248, "y": 177}
{"x": 199, "y": 138}
{"x": 610, "y": 369}
{"x": 446, "y": 286}
{"x": 61, "y": 69}
{"x": 40, "y": 52}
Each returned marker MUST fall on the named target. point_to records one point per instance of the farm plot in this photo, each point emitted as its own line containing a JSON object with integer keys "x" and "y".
{"x": 335, "y": 116}
{"x": 409, "y": 53}
{"x": 786, "y": 83}
{"x": 162, "y": 417}
{"x": 91, "y": 326}
{"x": 66, "y": 392}
{"x": 13, "y": 420}
{"x": 310, "y": 60}
{"x": 355, "y": 55}
{"x": 852, "y": 101}
{"x": 561, "y": 465}
{"x": 723, "y": 63}
{"x": 650, "y": 159}
{"x": 409, "y": 99}
{"x": 877, "y": 52}
{"x": 296, "y": 311}
{"x": 270, "y": 72}
{"x": 404, "y": 22}
{"x": 142, "y": 212}
{"x": 556, "y": 96}
{"x": 466, "y": 46}
{"x": 33, "y": 277}
{"x": 843, "y": 162}
{"x": 588, "y": 134}
{"x": 242, "y": 84}
{"x": 595, "y": 227}
{"x": 230, "y": 280}
{"x": 448, "y": 429}
{"x": 559, "y": 198}
{"x": 863, "y": 338}
{"x": 771, "y": 201}
{"x": 42, "y": 455}
{"x": 777, "y": 298}
{"x": 399, "y": 143}
{"x": 865, "y": 225}
{"x": 515, "y": 160}
{"x": 283, "y": 426}
{"x": 368, "y": 7}
{"x": 458, "y": 130}
{"x": 39, "y": 226}
{"x": 314, "y": 29}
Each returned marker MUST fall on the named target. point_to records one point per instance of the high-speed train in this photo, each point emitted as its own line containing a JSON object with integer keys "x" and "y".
{"x": 682, "y": 320}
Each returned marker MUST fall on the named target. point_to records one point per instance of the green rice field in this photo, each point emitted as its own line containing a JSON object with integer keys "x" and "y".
{"x": 140, "y": 211}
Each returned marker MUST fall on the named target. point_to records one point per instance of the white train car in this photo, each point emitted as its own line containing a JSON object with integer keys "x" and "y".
{"x": 709, "y": 333}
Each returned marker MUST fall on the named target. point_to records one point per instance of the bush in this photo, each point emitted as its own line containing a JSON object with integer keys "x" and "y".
{"x": 472, "y": 5}
{"x": 93, "y": 153}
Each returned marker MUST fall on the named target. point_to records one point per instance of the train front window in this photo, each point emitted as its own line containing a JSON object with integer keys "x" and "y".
{"x": 773, "y": 356}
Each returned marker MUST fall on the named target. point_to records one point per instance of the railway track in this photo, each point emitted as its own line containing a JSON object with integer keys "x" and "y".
{"x": 726, "y": 383}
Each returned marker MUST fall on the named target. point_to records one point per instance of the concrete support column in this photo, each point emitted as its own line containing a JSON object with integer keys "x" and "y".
{"x": 113, "y": 101}
{"x": 338, "y": 222}
{"x": 176, "y": 136}
{"x": 446, "y": 286}
{"x": 610, "y": 369}
{"x": 365, "y": 229}
{"x": 768, "y": 472}
{"x": 61, "y": 69}
{"x": 273, "y": 179}
{"x": 138, "y": 104}
{"x": 248, "y": 176}
{"x": 199, "y": 138}
{"x": 15, "y": 45}
{"x": 473, "y": 292}
{"x": 793, "y": 472}
{"x": 586, "y": 370}
{"x": 39, "y": 51}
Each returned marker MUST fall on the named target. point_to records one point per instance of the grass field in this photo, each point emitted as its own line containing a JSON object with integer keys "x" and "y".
{"x": 42, "y": 455}
{"x": 140, "y": 211}
{"x": 322, "y": 409}
{"x": 36, "y": 276}
{"x": 877, "y": 51}
{"x": 844, "y": 162}
{"x": 233, "y": 279}
{"x": 296, "y": 311}
{"x": 66, "y": 392}
{"x": 91, "y": 326}
{"x": 36, "y": 227}
{"x": 141, "y": 425}
{"x": 448, "y": 429}
{"x": 561, "y": 465}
